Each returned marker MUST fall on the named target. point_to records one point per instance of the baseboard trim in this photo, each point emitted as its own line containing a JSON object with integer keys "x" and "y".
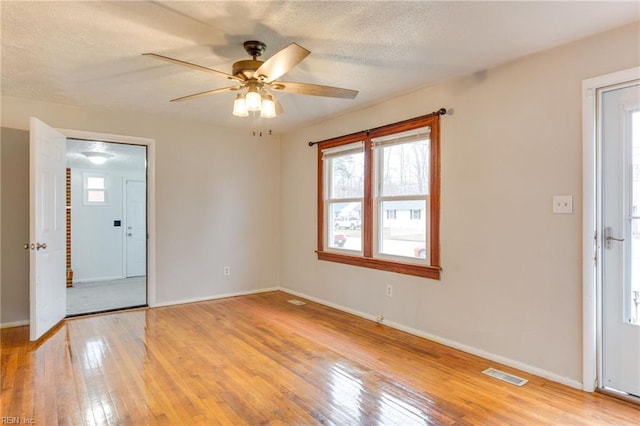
{"x": 14, "y": 324}
{"x": 92, "y": 280}
{"x": 215, "y": 297}
{"x": 450, "y": 343}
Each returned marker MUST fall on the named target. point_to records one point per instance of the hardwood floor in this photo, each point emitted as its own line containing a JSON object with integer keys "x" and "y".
{"x": 260, "y": 360}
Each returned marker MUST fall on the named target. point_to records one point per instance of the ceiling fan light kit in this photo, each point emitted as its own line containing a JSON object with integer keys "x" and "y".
{"x": 256, "y": 78}
{"x": 268, "y": 107}
{"x": 240, "y": 106}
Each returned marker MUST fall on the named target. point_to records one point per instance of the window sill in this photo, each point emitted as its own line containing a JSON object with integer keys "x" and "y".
{"x": 432, "y": 272}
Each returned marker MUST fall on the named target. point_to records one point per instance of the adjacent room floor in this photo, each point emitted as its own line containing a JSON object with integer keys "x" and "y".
{"x": 100, "y": 296}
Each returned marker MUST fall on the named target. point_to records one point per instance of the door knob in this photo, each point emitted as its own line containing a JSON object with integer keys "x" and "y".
{"x": 41, "y": 246}
{"x": 28, "y": 246}
{"x": 129, "y": 234}
{"x": 608, "y": 237}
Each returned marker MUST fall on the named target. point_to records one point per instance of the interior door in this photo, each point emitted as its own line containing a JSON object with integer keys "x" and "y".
{"x": 619, "y": 118}
{"x": 136, "y": 228}
{"x": 47, "y": 228}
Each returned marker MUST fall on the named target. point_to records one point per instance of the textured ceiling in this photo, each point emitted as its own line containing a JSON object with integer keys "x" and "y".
{"x": 89, "y": 53}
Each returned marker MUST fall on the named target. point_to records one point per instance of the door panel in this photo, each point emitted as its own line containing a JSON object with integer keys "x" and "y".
{"x": 47, "y": 287}
{"x": 136, "y": 235}
{"x": 619, "y": 120}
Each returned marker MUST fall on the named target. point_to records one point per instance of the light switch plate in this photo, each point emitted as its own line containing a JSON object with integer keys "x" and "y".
{"x": 563, "y": 204}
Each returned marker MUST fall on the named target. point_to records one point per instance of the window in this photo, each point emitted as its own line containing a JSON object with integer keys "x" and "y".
{"x": 378, "y": 198}
{"x": 95, "y": 189}
{"x": 345, "y": 192}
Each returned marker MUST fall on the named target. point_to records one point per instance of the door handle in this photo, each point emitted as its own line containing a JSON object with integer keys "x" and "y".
{"x": 41, "y": 246}
{"x": 608, "y": 237}
{"x": 129, "y": 234}
{"x": 28, "y": 246}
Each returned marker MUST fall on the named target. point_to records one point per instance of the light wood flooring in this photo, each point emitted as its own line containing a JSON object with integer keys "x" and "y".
{"x": 261, "y": 360}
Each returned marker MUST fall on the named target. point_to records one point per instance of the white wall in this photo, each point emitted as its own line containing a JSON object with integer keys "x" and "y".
{"x": 511, "y": 282}
{"x": 97, "y": 246}
{"x": 217, "y": 200}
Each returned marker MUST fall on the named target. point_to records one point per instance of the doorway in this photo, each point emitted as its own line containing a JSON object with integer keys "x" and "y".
{"x": 612, "y": 234}
{"x": 47, "y": 206}
{"x": 107, "y": 226}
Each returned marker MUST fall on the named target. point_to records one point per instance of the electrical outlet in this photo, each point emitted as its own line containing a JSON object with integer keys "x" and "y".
{"x": 227, "y": 270}
{"x": 389, "y": 290}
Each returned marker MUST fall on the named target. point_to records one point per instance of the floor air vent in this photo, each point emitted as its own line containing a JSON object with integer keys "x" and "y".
{"x": 296, "y": 302}
{"x": 505, "y": 377}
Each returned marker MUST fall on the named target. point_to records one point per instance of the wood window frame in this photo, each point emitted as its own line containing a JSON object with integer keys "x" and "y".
{"x": 431, "y": 268}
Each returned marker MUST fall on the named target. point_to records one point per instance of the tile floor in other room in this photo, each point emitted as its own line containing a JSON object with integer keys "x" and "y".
{"x": 99, "y": 296}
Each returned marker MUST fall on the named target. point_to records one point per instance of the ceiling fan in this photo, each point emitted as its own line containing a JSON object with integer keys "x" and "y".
{"x": 256, "y": 79}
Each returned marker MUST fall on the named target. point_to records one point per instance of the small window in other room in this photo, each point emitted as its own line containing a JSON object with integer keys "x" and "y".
{"x": 95, "y": 189}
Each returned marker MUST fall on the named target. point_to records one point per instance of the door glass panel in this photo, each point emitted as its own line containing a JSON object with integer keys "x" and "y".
{"x": 632, "y": 297}
{"x": 620, "y": 255}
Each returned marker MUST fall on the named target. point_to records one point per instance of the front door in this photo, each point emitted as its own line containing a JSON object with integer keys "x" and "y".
{"x": 136, "y": 235}
{"x": 47, "y": 228}
{"x": 619, "y": 129}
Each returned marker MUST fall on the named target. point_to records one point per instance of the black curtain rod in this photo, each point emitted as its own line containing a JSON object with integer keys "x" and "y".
{"x": 441, "y": 111}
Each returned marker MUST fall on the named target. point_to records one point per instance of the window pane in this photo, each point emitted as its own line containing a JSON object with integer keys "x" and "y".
{"x": 95, "y": 183}
{"x": 401, "y": 234}
{"x": 345, "y": 226}
{"x": 404, "y": 166}
{"x": 347, "y": 176}
{"x": 95, "y": 196}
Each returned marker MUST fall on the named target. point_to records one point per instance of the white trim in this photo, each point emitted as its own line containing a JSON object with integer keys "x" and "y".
{"x": 92, "y": 280}
{"x": 215, "y": 297}
{"x": 151, "y": 195}
{"x": 590, "y": 191}
{"x": 450, "y": 343}
{"x": 14, "y": 324}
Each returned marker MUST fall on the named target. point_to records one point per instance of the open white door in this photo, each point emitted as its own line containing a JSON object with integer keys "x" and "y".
{"x": 47, "y": 227}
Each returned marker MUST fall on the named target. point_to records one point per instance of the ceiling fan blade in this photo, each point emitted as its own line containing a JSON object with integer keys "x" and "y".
{"x": 194, "y": 66}
{"x": 279, "y": 109}
{"x": 281, "y": 63}
{"x": 207, "y": 93}
{"x": 314, "y": 90}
